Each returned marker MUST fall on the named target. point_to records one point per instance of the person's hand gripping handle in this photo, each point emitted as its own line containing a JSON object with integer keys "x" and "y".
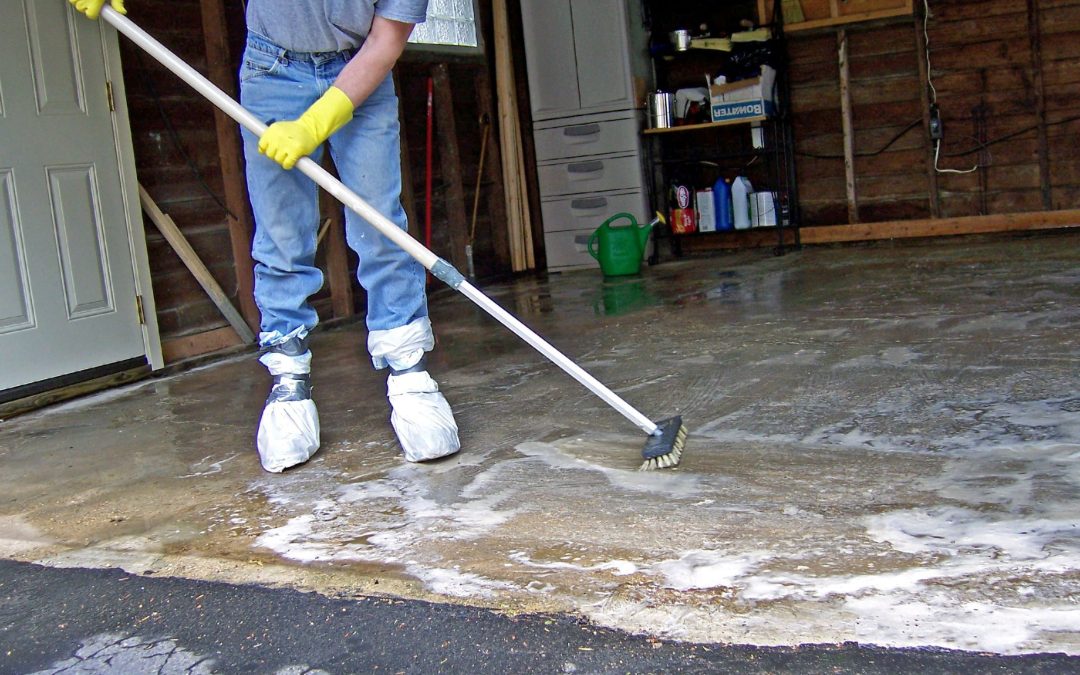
{"x": 92, "y": 8}
{"x": 286, "y": 142}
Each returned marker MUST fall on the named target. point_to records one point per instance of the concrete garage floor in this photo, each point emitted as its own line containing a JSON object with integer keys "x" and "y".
{"x": 885, "y": 448}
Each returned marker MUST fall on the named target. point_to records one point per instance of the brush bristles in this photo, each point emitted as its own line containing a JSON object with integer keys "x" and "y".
{"x": 672, "y": 457}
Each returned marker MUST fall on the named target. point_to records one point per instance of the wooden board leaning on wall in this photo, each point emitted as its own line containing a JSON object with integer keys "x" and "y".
{"x": 811, "y": 14}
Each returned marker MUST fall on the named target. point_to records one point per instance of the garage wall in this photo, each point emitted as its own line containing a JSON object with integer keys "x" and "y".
{"x": 177, "y": 159}
{"x": 176, "y": 156}
{"x": 1003, "y": 69}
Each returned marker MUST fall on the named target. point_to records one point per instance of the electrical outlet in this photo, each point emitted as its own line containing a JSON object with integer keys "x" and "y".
{"x": 937, "y": 131}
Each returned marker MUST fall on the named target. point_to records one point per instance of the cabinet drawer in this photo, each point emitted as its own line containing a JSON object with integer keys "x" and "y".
{"x": 588, "y": 212}
{"x": 569, "y": 249}
{"x": 591, "y": 138}
{"x": 590, "y": 175}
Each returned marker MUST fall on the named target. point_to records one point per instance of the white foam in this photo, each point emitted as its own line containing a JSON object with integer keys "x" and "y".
{"x": 671, "y": 484}
{"x": 898, "y": 622}
{"x": 211, "y": 467}
{"x": 402, "y": 521}
{"x": 455, "y": 583}
{"x": 707, "y": 569}
{"x": 951, "y": 531}
{"x": 619, "y": 568}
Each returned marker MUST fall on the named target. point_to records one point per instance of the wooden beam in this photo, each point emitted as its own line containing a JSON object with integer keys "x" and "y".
{"x": 408, "y": 189}
{"x": 450, "y": 165}
{"x": 195, "y": 265}
{"x": 337, "y": 267}
{"x": 848, "y": 128}
{"x": 1035, "y": 38}
{"x": 180, "y": 348}
{"x": 518, "y": 220}
{"x": 230, "y": 150}
{"x": 874, "y": 18}
{"x": 924, "y": 92}
{"x": 33, "y": 402}
{"x": 737, "y": 241}
{"x": 492, "y": 171}
{"x": 942, "y": 227}
{"x": 337, "y": 254}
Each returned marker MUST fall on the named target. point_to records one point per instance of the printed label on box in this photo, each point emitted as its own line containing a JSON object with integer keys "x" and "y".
{"x": 706, "y": 209}
{"x": 742, "y": 109}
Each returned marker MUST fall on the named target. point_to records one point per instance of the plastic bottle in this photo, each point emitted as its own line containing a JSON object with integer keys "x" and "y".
{"x": 740, "y": 202}
{"x": 721, "y": 193}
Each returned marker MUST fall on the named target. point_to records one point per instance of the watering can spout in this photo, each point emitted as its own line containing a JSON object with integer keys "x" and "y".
{"x": 645, "y": 230}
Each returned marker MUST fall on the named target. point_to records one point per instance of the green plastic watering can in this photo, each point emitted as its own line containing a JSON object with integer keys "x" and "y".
{"x": 620, "y": 248}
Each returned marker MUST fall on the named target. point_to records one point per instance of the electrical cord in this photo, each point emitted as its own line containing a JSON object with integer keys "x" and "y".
{"x": 875, "y": 153}
{"x": 1006, "y": 137}
{"x": 175, "y": 137}
{"x": 937, "y": 143}
{"x": 933, "y": 91}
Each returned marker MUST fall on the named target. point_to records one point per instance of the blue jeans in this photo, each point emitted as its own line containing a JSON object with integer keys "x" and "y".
{"x": 276, "y": 84}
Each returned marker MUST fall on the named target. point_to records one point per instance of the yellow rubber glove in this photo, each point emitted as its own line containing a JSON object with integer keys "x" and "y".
{"x": 287, "y": 142}
{"x": 92, "y": 8}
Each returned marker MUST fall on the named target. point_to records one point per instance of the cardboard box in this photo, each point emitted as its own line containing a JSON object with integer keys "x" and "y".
{"x": 706, "y": 209}
{"x": 745, "y": 98}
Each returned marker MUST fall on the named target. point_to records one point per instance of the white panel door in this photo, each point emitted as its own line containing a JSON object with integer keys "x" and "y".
{"x": 67, "y": 284}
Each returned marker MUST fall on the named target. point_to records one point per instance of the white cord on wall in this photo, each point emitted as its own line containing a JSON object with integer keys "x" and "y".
{"x": 933, "y": 91}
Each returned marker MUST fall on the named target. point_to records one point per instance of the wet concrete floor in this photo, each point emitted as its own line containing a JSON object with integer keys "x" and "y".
{"x": 885, "y": 448}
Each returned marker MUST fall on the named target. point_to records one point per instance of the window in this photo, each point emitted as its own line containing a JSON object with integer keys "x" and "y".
{"x": 449, "y": 22}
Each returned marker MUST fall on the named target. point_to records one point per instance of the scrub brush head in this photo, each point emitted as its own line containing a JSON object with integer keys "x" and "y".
{"x": 664, "y": 449}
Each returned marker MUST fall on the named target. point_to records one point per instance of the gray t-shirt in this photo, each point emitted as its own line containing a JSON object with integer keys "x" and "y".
{"x": 326, "y": 25}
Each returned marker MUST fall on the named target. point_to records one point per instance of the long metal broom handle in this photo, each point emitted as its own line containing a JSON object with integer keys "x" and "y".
{"x": 425, "y": 257}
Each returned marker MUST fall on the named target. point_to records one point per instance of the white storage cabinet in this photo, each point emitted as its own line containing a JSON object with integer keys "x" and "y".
{"x": 588, "y": 70}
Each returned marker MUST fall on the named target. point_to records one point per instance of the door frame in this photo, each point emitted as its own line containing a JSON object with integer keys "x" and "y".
{"x": 129, "y": 189}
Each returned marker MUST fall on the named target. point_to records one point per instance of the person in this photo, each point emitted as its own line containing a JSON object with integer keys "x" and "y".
{"x": 317, "y": 71}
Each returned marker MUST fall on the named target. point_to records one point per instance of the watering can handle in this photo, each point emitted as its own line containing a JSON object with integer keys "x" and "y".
{"x": 619, "y": 216}
{"x": 596, "y": 234}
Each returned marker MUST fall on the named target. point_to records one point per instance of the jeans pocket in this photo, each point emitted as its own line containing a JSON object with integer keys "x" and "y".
{"x": 258, "y": 63}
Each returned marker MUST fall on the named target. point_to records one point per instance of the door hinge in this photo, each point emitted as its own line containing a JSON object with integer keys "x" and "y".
{"x": 139, "y": 309}
{"x": 109, "y": 95}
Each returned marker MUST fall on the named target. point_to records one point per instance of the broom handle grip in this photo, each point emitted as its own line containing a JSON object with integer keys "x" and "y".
{"x": 236, "y": 111}
{"x": 353, "y": 201}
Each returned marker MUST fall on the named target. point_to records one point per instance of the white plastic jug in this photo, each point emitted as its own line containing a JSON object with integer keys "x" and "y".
{"x": 740, "y": 202}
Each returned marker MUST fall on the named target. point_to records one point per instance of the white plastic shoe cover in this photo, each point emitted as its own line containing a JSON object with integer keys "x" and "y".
{"x": 401, "y": 347}
{"x": 289, "y": 428}
{"x": 421, "y": 417}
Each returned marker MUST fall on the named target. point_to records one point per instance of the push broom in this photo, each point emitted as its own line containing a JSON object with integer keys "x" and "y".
{"x": 666, "y": 438}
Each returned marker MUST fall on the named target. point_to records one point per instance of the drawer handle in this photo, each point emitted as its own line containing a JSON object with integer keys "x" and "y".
{"x": 582, "y": 130}
{"x": 580, "y": 168}
{"x": 588, "y": 204}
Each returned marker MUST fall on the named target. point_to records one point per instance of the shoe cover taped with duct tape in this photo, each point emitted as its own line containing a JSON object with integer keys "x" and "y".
{"x": 288, "y": 434}
{"x": 421, "y": 417}
{"x": 401, "y": 347}
{"x": 289, "y": 429}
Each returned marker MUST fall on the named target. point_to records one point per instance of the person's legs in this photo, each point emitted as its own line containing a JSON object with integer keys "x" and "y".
{"x": 367, "y": 155}
{"x": 285, "y": 205}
